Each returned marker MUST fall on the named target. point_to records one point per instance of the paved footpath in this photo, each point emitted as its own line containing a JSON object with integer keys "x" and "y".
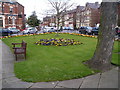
{"x": 107, "y": 79}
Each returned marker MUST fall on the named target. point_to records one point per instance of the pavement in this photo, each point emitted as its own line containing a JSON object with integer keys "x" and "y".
{"x": 108, "y": 79}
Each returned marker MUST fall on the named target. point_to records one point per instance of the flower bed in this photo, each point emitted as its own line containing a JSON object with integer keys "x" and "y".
{"x": 3, "y": 37}
{"x": 57, "y": 42}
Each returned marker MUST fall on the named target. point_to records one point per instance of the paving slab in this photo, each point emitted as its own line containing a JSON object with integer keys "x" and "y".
{"x": 65, "y": 89}
{"x": 59, "y": 87}
{"x": 14, "y": 89}
{"x": 7, "y": 68}
{"x": 109, "y": 79}
{"x": 44, "y": 85}
{"x": 7, "y": 75}
{"x": 91, "y": 81}
{"x": 0, "y": 70}
{"x": 11, "y": 79}
{"x": 88, "y": 89}
{"x": 0, "y": 84}
{"x": 7, "y": 54}
{"x": 7, "y": 59}
{"x": 40, "y": 89}
{"x": 75, "y": 83}
{"x": 0, "y": 64}
{"x": 0, "y": 76}
{"x": 17, "y": 84}
{"x": 5, "y": 84}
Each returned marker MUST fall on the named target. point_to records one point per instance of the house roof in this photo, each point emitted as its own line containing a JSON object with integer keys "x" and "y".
{"x": 80, "y": 7}
{"x": 71, "y": 11}
{"x": 93, "y": 5}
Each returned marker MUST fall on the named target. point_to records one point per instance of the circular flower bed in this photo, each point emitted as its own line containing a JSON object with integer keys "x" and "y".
{"x": 57, "y": 42}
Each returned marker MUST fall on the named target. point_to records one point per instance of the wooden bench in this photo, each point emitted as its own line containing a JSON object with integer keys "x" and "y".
{"x": 19, "y": 50}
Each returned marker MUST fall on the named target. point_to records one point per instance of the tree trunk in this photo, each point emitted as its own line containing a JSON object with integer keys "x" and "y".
{"x": 103, "y": 53}
{"x": 119, "y": 14}
{"x": 58, "y": 20}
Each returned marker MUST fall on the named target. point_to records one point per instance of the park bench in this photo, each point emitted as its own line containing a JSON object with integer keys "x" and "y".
{"x": 19, "y": 50}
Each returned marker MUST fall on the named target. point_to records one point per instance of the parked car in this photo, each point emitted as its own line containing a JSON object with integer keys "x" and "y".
{"x": 89, "y": 30}
{"x": 14, "y": 30}
{"x": 4, "y": 32}
{"x": 59, "y": 29}
{"x": 95, "y": 30}
{"x": 51, "y": 30}
{"x": 85, "y": 30}
{"x": 48, "y": 29}
{"x": 67, "y": 28}
{"x": 82, "y": 30}
{"x": 30, "y": 30}
{"x": 70, "y": 28}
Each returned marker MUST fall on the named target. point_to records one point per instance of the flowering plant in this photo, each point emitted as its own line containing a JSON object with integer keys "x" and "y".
{"x": 57, "y": 42}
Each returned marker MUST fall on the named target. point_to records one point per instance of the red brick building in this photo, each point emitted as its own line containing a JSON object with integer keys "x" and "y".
{"x": 12, "y": 14}
{"x": 79, "y": 16}
{"x": 90, "y": 15}
{"x": 46, "y": 21}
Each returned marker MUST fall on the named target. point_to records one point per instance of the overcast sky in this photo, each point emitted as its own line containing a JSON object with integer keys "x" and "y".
{"x": 40, "y": 6}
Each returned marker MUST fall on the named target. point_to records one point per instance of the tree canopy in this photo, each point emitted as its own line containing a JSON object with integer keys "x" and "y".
{"x": 33, "y": 20}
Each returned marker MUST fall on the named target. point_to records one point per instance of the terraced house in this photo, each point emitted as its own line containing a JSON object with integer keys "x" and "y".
{"x": 88, "y": 15}
{"x": 12, "y": 14}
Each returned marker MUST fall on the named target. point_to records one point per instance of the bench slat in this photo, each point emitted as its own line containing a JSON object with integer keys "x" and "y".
{"x": 20, "y": 50}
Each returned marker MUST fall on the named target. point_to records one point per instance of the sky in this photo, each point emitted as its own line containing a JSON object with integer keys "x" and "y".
{"x": 42, "y": 6}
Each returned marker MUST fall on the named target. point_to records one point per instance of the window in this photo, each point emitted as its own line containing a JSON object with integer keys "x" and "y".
{"x": 13, "y": 20}
{"x": 1, "y": 22}
{"x": 19, "y": 16}
{"x": 9, "y": 20}
{"x": 0, "y": 5}
{"x": 88, "y": 11}
{"x": 11, "y": 10}
{"x": 87, "y": 18}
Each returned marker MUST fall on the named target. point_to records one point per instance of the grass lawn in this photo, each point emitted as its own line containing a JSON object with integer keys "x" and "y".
{"x": 53, "y": 63}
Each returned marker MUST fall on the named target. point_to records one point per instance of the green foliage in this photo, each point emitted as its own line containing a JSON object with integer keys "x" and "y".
{"x": 53, "y": 63}
{"x": 33, "y": 21}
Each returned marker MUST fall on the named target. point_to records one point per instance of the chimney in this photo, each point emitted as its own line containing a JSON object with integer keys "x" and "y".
{"x": 96, "y": 3}
{"x": 78, "y": 7}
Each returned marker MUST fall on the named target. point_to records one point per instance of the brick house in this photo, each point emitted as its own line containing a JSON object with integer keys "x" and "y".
{"x": 66, "y": 19}
{"x": 90, "y": 14}
{"x": 53, "y": 21}
{"x": 12, "y": 14}
{"x": 47, "y": 21}
{"x": 79, "y": 10}
{"x": 70, "y": 18}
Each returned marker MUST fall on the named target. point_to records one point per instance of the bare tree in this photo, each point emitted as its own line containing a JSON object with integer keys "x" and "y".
{"x": 60, "y": 6}
{"x": 103, "y": 53}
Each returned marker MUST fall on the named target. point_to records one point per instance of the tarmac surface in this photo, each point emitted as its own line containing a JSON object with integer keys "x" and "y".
{"x": 108, "y": 79}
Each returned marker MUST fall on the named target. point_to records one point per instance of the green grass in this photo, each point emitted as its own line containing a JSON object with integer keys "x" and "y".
{"x": 53, "y": 63}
